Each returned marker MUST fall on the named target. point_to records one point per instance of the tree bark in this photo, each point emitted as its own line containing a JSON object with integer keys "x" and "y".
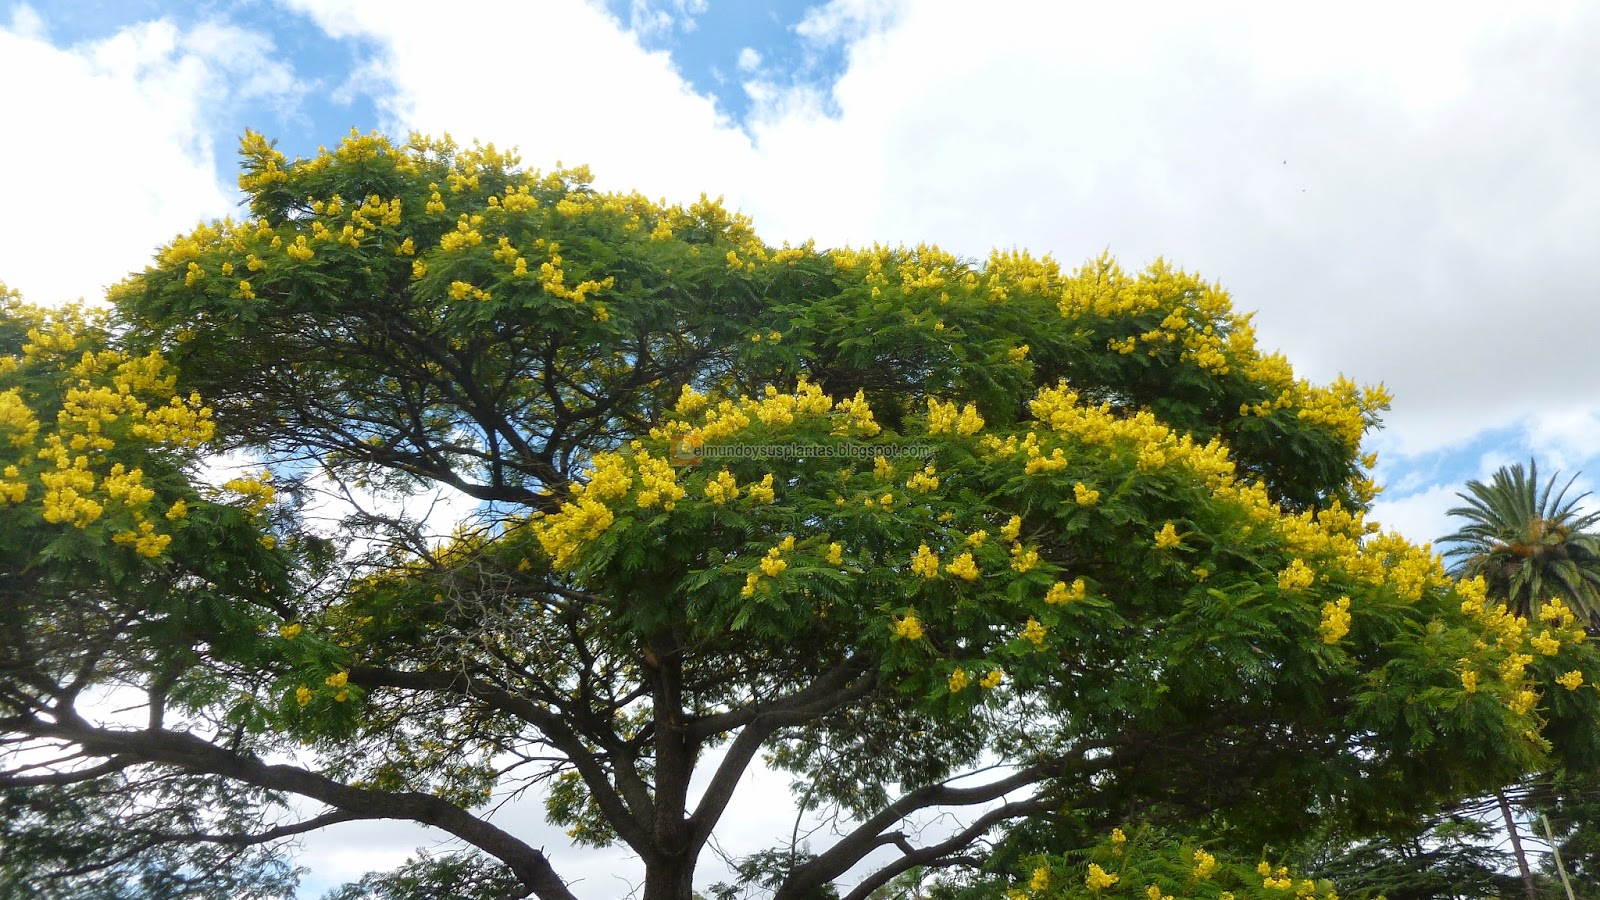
{"x": 1528, "y": 887}
{"x": 669, "y": 878}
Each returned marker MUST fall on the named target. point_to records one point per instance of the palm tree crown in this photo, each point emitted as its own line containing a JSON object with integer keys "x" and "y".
{"x": 1528, "y": 545}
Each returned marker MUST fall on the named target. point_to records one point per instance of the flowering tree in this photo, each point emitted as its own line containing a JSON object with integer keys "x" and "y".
{"x": 1043, "y": 551}
{"x": 122, "y": 576}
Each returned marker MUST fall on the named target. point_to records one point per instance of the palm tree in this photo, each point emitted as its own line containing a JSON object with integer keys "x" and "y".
{"x": 1529, "y": 546}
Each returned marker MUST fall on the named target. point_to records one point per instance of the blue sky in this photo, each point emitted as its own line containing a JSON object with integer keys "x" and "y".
{"x": 1401, "y": 196}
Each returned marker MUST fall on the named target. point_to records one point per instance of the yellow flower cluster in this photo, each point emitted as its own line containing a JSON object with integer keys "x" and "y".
{"x": 1023, "y": 559}
{"x": 722, "y": 488}
{"x": 256, "y": 489}
{"x": 1555, "y": 611}
{"x": 835, "y": 554}
{"x": 1571, "y": 681}
{"x": 958, "y": 681}
{"x": 109, "y": 397}
{"x": 658, "y": 482}
{"x": 1099, "y": 879}
{"x": 553, "y": 278}
{"x": 1012, "y": 528}
{"x": 145, "y": 540}
{"x": 964, "y": 567}
{"x": 1335, "y": 620}
{"x": 1275, "y": 879}
{"x": 1059, "y": 593}
{"x": 1296, "y": 577}
{"x": 908, "y": 627}
{"x": 1033, "y": 632}
{"x": 992, "y": 680}
{"x": 1544, "y": 644}
{"x": 1523, "y": 701}
{"x": 761, "y": 491}
{"x": 1167, "y": 537}
{"x": 1204, "y": 864}
{"x": 857, "y": 416}
{"x": 925, "y": 562}
{"x": 923, "y": 481}
{"x": 563, "y": 534}
{"x": 943, "y": 418}
{"x": 1155, "y": 445}
{"x": 1085, "y": 496}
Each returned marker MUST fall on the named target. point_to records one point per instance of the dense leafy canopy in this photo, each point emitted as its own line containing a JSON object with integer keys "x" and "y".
{"x": 1048, "y": 551}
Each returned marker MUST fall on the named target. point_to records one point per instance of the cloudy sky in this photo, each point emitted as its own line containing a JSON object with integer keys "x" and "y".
{"x": 1405, "y": 193}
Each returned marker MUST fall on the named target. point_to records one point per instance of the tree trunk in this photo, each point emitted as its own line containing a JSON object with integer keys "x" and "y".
{"x": 669, "y": 879}
{"x": 1528, "y": 886}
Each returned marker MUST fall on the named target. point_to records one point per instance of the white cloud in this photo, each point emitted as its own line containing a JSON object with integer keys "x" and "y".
{"x": 1421, "y": 516}
{"x": 846, "y": 21}
{"x": 26, "y": 22}
{"x": 749, "y": 60}
{"x": 116, "y": 156}
{"x": 590, "y": 95}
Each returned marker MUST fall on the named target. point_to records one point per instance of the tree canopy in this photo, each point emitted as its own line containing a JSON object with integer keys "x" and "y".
{"x": 1048, "y": 551}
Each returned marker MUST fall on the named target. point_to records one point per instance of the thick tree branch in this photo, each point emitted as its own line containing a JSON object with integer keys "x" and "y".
{"x": 870, "y": 835}
{"x": 192, "y": 754}
{"x": 845, "y": 684}
{"x": 630, "y": 818}
{"x": 934, "y": 853}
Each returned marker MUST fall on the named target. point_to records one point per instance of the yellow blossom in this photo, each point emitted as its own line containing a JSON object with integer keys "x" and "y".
{"x": 337, "y": 679}
{"x": 908, "y": 627}
{"x": 290, "y": 631}
{"x": 958, "y": 681}
{"x": 722, "y": 488}
{"x": 1023, "y": 559}
{"x": 1523, "y": 701}
{"x": 1099, "y": 879}
{"x": 1167, "y": 537}
{"x": 963, "y": 567}
{"x": 1571, "y": 681}
{"x": 1034, "y": 633}
{"x": 1059, "y": 593}
{"x": 835, "y": 554}
{"x": 925, "y": 562}
{"x": 1012, "y": 528}
{"x": 924, "y": 480}
{"x": 1335, "y": 620}
{"x": 1296, "y": 577}
{"x": 302, "y": 695}
{"x": 1085, "y": 495}
{"x": 762, "y": 492}
{"x": 992, "y": 680}
{"x": 1545, "y": 644}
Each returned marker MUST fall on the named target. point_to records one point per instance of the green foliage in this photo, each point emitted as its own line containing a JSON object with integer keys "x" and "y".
{"x": 458, "y": 876}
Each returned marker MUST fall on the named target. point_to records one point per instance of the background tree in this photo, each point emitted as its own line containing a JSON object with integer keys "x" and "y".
{"x": 1532, "y": 544}
{"x": 1529, "y": 542}
{"x": 123, "y": 577}
{"x": 1037, "y": 552}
